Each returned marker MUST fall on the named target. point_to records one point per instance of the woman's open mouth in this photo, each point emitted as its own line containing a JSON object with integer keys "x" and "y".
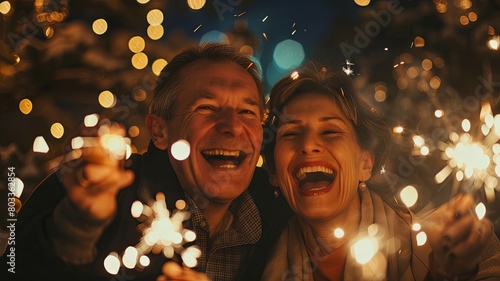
{"x": 315, "y": 180}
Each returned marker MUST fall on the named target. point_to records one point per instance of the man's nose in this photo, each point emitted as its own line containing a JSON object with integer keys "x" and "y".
{"x": 229, "y": 123}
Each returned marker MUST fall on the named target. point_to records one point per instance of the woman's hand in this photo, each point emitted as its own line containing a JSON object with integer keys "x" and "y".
{"x": 173, "y": 271}
{"x": 457, "y": 237}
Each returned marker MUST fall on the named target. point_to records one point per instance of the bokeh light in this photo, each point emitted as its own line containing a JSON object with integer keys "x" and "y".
{"x": 107, "y": 99}
{"x": 158, "y": 66}
{"x": 57, "y": 130}
{"x": 91, "y": 120}
{"x": 214, "y": 36}
{"x": 196, "y": 4}
{"x": 416, "y": 227}
{"x": 466, "y": 125}
{"x": 139, "y": 60}
{"x": 260, "y": 162}
{"x": 129, "y": 258}
{"x": 136, "y": 209}
{"x": 421, "y": 238}
{"x": 100, "y": 26}
{"x": 398, "y": 129}
{"x": 338, "y": 233}
{"x": 19, "y": 187}
{"x": 5, "y": 7}
{"x": 364, "y": 249}
{"x": 140, "y": 95}
{"x": 362, "y": 3}
{"x": 155, "y": 17}
{"x": 155, "y": 32}
{"x": 25, "y": 106}
{"x": 480, "y": 210}
{"x": 288, "y": 54}
{"x": 134, "y": 131}
{"x": 136, "y": 44}
{"x": 180, "y": 150}
{"x": 419, "y": 42}
{"x": 40, "y": 145}
{"x": 48, "y": 31}
{"x": 439, "y": 113}
{"x": 112, "y": 263}
{"x": 494, "y": 43}
{"x": 409, "y": 195}
{"x": 180, "y": 204}
{"x": 144, "y": 261}
{"x": 77, "y": 142}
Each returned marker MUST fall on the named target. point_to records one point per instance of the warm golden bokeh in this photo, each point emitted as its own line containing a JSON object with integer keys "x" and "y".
{"x": 25, "y": 106}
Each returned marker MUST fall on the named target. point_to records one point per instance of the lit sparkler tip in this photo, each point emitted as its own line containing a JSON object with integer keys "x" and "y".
{"x": 348, "y": 70}
{"x": 382, "y": 170}
{"x": 163, "y": 232}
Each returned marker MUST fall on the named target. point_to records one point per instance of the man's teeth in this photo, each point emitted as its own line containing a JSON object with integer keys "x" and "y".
{"x": 301, "y": 173}
{"x": 222, "y": 152}
{"x": 227, "y": 166}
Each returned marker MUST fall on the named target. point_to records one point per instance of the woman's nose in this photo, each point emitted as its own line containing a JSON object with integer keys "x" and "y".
{"x": 310, "y": 144}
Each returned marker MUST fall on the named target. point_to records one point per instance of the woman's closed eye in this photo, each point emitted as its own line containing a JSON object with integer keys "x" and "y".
{"x": 289, "y": 134}
{"x": 330, "y": 132}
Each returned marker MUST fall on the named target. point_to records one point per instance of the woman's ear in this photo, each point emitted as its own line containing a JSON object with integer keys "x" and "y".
{"x": 157, "y": 128}
{"x": 367, "y": 160}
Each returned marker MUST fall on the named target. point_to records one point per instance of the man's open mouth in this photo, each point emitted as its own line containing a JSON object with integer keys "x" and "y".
{"x": 315, "y": 177}
{"x": 222, "y": 158}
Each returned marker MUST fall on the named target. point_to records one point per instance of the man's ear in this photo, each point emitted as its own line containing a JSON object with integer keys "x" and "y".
{"x": 367, "y": 160}
{"x": 157, "y": 128}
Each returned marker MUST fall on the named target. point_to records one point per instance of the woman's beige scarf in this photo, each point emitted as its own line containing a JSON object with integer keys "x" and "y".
{"x": 290, "y": 260}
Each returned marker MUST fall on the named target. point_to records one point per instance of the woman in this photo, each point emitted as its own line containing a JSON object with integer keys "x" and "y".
{"x": 328, "y": 143}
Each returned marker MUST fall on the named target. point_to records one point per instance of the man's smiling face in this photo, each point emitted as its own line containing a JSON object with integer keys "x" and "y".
{"x": 218, "y": 112}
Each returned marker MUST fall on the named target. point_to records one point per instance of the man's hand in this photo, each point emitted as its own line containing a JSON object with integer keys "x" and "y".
{"x": 457, "y": 237}
{"x": 173, "y": 271}
{"x": 93, "y": 181}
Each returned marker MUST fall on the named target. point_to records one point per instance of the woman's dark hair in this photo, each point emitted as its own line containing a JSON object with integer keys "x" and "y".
{"x": 371, "y": 130}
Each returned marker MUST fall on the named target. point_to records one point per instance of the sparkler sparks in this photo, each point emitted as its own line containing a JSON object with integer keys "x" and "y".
{"x": 348, "y": 70}
{"x": 162, "y": 230}
{"x": 474, "y": 157}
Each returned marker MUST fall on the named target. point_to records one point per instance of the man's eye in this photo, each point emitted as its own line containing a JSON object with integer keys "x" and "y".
{"x": 247, "y": 111}
{"x": 205, "y": 107}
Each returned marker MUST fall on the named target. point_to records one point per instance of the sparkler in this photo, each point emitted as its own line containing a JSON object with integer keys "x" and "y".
{"x": 162, "y": 231}
{"x": 474, "y": 158}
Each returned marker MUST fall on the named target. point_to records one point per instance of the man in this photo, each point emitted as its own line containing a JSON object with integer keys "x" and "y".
{"x": 210, "y": 96}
